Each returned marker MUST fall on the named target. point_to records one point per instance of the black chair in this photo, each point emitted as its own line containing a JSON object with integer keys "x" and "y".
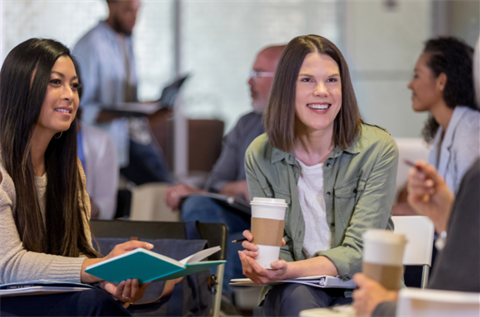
{"x": 214, "y": 233}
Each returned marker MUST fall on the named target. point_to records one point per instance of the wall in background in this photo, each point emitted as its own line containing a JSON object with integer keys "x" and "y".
{"x": 382, "y": 41}
{"x": 219, "y": 41}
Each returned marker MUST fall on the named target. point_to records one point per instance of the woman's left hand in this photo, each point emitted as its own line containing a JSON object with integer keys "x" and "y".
{"x": 127, "y": 291}
{"x": 369, "y": 294}
{"x": 260, "y": 275}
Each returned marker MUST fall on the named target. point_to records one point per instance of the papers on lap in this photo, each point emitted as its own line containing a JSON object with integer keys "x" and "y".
{"x": 40, "y": 287}
{"x": 321, "y": 281}
{"x": 147, "y": 266}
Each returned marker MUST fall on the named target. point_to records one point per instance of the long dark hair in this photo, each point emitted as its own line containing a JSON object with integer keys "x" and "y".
{"x": 454, "y": 58}
{"x": 23, "y": 83}
{"x": 280, "y": 113}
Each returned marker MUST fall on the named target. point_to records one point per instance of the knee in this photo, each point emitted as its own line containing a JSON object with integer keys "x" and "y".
{"x": 100, "y": 303}
{"x": 290, "y": 299}
{"x": 199, "y": 208}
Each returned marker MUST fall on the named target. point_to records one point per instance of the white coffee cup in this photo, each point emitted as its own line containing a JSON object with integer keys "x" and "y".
{"x": 268, "y": 222}
{"x": 382, "y": 257}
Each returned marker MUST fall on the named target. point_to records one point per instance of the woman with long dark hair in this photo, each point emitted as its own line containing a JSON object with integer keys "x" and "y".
{"x": 44, "y": 208}
{"x": 443, "y": 86}
{"x": 336, "y": 173}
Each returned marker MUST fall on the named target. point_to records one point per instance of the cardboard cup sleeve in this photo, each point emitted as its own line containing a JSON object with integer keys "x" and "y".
{"x": 268, "y": 231}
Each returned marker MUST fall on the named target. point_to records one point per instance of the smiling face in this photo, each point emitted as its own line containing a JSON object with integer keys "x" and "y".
{"x": 318, "y": 93}
{"x": 427, "y": 91}
{"x": 61, "y": 99}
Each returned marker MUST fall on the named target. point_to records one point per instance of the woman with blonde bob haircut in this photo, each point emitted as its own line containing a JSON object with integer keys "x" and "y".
{"x": 335, "y": 172}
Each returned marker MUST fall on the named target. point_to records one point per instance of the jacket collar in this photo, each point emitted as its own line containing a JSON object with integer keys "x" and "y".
{"x": 279, "y": 155}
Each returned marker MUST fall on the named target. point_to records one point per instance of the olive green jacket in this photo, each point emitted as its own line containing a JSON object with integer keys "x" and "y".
{"x": 359, "y": 188}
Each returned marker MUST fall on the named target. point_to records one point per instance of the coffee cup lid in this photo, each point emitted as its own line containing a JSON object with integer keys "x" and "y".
{"x": 277, "y": 202}
{"x": 385, "y": 236}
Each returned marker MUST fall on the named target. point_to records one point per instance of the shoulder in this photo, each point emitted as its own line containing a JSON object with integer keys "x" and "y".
{"x": 7, "y": 187}
{"x": 88, "y": 41}
{"x": 470, "y": 119}
{"x": 259, "y": 145}
{"x": 372, "y": 135}
{"x": 249, "y": 121}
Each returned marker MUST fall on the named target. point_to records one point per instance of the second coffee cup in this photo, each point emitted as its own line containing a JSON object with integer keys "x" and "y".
{"x": 268, "y": 222}
{"x": 382, "y": 257}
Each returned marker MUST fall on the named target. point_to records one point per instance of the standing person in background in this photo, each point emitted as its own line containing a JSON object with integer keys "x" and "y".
{"x": 107, "y": 64}
{"x": 98, "y": 155}
{"x": 443, "y": 86}
{"x": 44, "y": 208}
{"x": 336, "y": 173}
{"x": 228, "y": 175}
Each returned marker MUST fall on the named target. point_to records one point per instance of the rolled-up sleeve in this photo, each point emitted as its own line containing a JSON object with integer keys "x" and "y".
{"x": 372, "y": 210}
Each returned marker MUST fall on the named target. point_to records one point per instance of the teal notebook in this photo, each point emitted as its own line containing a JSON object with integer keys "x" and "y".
{"x": 147, "y": 266}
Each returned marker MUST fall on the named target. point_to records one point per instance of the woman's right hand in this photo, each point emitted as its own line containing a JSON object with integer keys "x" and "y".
{"x": 119, "y": 249}
{"x": 428, "y": 194}
{"x": 253, "y": 270}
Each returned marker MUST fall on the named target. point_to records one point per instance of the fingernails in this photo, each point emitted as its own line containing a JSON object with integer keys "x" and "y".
{"x": 149, "y": 245}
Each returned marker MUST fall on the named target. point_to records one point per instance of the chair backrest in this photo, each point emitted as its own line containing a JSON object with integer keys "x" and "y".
{"x": 419, "y": 302}
{"x": 412, "y": 149}
{"x": 214, "y": 233}
{"x": 205, "y": 139}
{"x": 419, "y": 231}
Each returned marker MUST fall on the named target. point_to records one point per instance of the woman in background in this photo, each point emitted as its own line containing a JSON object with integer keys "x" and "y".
{"x": 336, "y": 173}
{"x": 44, "y": 209}
{"x": 443, "y": 86}
{"x": 456, "y": 219}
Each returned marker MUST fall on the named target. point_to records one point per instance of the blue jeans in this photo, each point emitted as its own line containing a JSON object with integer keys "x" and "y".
{"x": 94, "y": 302}
{"x": 147, "y": 164}
{"x": 290, "y": 299}
{"x": 203, "y": 209}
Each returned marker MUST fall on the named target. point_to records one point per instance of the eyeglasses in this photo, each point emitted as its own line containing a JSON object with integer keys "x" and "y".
{"x": 255, "y": 75}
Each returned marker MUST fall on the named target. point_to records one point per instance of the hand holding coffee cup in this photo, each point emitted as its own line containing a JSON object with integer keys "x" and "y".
{"x": 382, "y": 257}
{"x": 268, "y": 222}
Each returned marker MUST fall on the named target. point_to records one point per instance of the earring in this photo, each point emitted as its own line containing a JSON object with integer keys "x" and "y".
{"x": 58, "y": 137}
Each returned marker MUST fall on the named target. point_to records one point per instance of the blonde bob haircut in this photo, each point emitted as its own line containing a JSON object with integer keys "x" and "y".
{"x": 280, "y": 113}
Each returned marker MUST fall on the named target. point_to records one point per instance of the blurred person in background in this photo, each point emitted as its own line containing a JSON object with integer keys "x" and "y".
{"x": 98, "y": 155}
{"x": 228, "y": 174}
{"x": 443, "y": 86}
{"x": 106, "y": 58}
{"x": 456, "y": 219}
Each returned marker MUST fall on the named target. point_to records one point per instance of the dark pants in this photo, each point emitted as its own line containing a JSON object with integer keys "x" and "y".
{"x": 204, "y": 209}
{"x": 147, "y": 164}
{"x": 94, "y": 302}
{"x": 290, "y": 299}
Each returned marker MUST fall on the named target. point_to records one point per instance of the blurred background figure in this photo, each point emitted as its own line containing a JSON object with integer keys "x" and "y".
{"x": 456, "y": 218}
{"x": 228, "y": 175}
{"x": 106, "y": 58}
{"x": 443, "y": 86}
{"x": 98, "y": 155}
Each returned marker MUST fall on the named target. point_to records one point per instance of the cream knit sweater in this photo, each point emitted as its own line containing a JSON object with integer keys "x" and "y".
{"x": 17, "y": 264}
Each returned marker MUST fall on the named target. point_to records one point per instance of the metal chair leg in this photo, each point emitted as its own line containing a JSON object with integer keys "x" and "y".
{"x": 218, "y": 291}
{"x": 425, "y": 271}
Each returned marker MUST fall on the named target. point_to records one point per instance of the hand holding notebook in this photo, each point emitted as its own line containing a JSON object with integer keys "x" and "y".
{"x": 146, "y": 266}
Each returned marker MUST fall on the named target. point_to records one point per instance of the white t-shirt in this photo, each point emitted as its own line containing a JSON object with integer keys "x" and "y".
{"x": 312, "y": 202}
